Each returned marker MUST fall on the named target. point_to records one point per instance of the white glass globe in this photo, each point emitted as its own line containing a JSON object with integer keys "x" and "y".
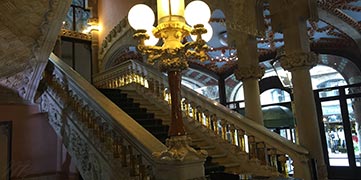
{"x": 141, "y": 16}
{"x": 152, "y": 39}
{"x": 197, "y": 12}
{"x": 207, "y": 36}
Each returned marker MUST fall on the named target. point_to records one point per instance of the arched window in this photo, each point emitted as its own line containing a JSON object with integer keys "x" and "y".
{"x": 273, "y": 96}
{"x": 77, "y": 16}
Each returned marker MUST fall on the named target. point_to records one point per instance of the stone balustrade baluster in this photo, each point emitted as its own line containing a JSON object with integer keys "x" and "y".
{"x": 214, "y": 123}
{"x": 150, "y": 86}
{"x": 124, "y": 155}
{"x": 241, "y": 140}
{"x": 272, "y": 152}
{"x": 224, "y": 129}
{"x": 127, "y": 77}
{"x": 116, "y": 147}
{"x": 75, "y": 105}
{"x": 252, "y": 147}
{"x": 114, "y": 83}
{"x": 207, "y": 119}
{"x": 156, "y": 88}
{"x": 148, "y": 173}
{"x": 283, "y": 162}
{"x": 82, "y": 116}
{"x": 97, "y": 126}
{"x": 232, "y": 131}
{"x": 142, "y": 172}
{"x": 185, "y": 107}
{"x": 131, "y": 160}
{"x": 102, "y": 132}
{"x": 161, "y": 91}
{"x": 109, "y": 138}
{"x": 78, "y": 110}
{"x": 121, "y": 79}
{"x": 98, "y": 130}
{"x": 117, "y": 79}
{"x": 262, "y": 153}
{"x": 166, "y": 95}
{"x": 199, "y": 117}
{"x": 193, "y": 110}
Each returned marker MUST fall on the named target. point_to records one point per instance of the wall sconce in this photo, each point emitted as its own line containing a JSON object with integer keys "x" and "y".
{"x": 93, "y": 25}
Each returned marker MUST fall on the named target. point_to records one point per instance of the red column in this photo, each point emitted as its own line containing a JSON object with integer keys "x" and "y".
{"x": 176, "y": 126}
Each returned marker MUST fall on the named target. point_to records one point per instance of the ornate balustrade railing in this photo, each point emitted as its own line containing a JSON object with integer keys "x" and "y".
{"x": 105, "y": 142}
{"x": 245, "y": 135}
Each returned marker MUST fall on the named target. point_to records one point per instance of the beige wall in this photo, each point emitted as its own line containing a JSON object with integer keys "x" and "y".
{"x": 111, "y": 12}
{"x": 34, "y": 143}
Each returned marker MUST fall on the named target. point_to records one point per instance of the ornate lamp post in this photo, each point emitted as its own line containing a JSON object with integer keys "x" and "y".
{"x": 172, "y": 55}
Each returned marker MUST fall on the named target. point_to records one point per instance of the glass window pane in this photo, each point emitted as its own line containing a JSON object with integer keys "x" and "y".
{"x": 334, "y": 132}
{"x": 328, "y": 93}
{"x": 273, "y": 96}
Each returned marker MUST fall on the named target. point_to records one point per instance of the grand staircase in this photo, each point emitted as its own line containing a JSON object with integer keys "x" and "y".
{"x": 156, "y": 121}
{"x": 117, "y": 140}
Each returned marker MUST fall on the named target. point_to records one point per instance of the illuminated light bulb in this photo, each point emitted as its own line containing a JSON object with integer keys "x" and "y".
{"x": 141, "y": 16}
{"x": 197, "y": 12}
{"x": 207, "y": 36}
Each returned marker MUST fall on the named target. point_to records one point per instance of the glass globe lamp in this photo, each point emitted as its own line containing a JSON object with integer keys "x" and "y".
{"x": 197, "y": 12}
{"x": 141, "y": 16}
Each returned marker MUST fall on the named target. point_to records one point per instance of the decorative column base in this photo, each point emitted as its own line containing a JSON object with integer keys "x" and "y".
{"x": 179, "y": 161}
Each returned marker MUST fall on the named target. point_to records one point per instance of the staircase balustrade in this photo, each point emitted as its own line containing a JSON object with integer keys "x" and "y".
{"x": 104, "y": 141}
{"x": 247, "y": 137}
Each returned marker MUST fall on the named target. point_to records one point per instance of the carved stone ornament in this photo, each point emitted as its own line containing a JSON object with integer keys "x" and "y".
{"x": 251, "y": 72}
{"x": 299, "y": 60}
{"x": 179, "y": 150}
{"x": 75, "y": 35}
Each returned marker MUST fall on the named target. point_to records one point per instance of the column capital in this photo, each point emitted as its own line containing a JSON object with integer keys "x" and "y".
{"x": 299, "y": 60}
{"x": 250, "y": 72}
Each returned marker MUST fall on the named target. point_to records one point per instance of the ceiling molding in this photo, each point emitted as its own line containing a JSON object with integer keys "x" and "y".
{"x": 341, "y": 25}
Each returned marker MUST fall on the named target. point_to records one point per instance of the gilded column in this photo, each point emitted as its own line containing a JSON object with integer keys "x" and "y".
{"x": 250, "y": 76}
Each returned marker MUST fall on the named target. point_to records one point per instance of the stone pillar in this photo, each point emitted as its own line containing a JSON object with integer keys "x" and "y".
{"x": 244, "y": 23}
{"x": 249, "y": 72}
{"x": 299, "y": 60}
{"x": 250, "y": 76}
{"x": 179, "y": 161}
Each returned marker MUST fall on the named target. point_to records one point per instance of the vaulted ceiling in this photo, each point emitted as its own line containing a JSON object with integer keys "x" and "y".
{"x": 28, "y": 30}
{"x": 337, "y": 32}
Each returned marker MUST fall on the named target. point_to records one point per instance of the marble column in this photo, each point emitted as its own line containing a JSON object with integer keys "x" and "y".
{"x": 244, "y": 23}
{"x": 250, "y": 77}
{"x": 299, "y": 60}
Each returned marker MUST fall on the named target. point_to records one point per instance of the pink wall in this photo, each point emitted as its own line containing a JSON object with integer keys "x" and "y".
{"x": 111, "y": 12}
{"x": 34, "y": 143}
